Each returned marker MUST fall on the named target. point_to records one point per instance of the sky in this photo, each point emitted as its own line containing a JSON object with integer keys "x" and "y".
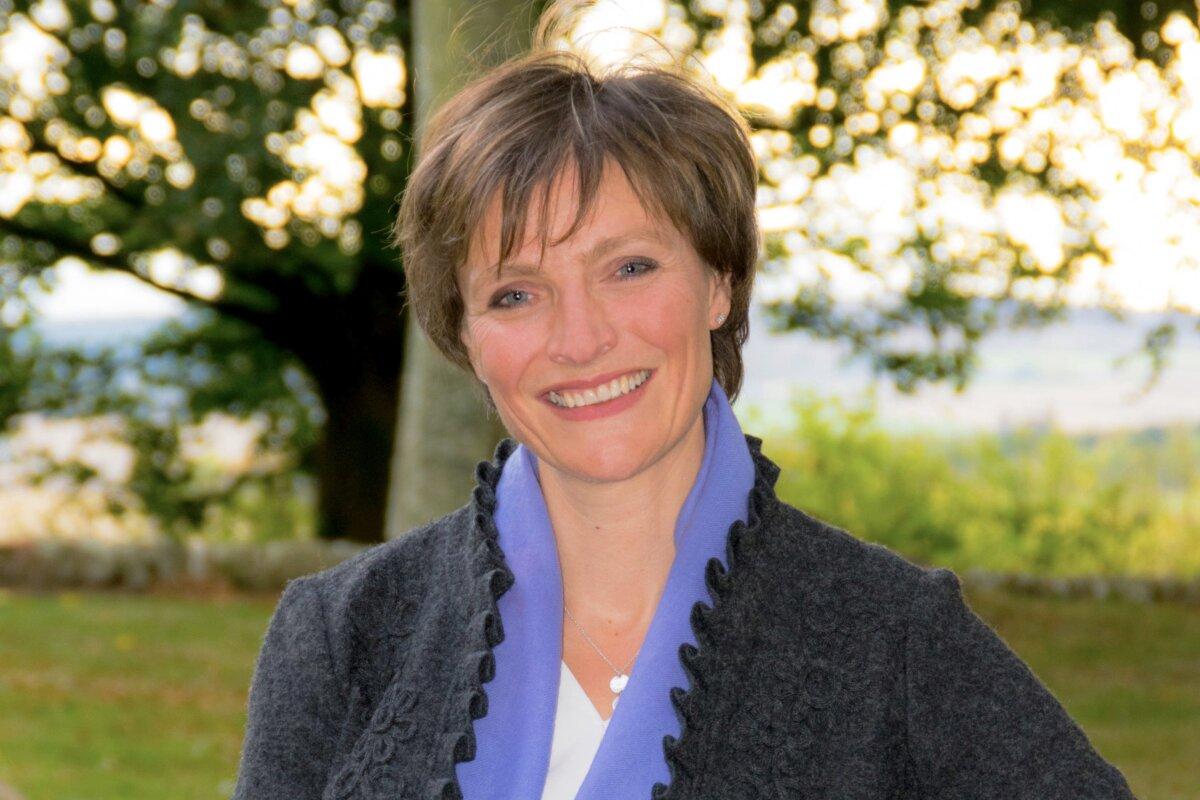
{"x": 84, "y": 294}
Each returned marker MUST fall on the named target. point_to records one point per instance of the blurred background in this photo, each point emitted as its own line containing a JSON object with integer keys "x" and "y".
{"x": 974, "y": 336}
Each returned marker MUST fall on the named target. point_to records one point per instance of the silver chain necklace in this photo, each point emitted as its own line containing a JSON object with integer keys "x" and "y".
{"x": 621, "y": 676}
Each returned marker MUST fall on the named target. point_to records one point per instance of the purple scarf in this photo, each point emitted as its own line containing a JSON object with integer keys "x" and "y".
{"x": 513, "y": 738}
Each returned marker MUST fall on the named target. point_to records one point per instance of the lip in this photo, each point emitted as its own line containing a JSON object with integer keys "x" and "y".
{"x": 605, "y": 409}
{"x": 591, "y": 383}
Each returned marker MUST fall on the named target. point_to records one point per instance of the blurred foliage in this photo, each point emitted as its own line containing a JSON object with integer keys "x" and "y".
{"x": 162, "y": 390}
{"x": 16, "y": 371}
{"x": 1035, "y": 500}
{"x": 936, "y": 159}
{"x": 243, "y": 157}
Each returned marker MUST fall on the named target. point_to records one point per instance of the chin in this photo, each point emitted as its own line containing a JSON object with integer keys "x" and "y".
{"x": 603, "y": 462}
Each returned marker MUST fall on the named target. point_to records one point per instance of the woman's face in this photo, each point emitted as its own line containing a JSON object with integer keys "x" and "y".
{"x": 625, "y": 295}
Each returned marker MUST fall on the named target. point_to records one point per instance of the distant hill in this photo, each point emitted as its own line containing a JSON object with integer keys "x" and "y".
{"x": 98, "y": 332}
{"x": 1062, "y": 373}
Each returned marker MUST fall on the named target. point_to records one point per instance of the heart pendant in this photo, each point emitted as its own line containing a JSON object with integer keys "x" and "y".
{"x": 617, "y": 684}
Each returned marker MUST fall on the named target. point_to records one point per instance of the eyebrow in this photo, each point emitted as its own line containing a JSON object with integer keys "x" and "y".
{"x": 594, "y": 253}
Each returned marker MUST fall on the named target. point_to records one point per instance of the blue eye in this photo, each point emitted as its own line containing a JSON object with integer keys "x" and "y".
{"x": 650, "y": 266}
{"x": 496, "y": 300}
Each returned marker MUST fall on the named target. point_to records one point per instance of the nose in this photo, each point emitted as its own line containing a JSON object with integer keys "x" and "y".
{"x": 580, "y": 330}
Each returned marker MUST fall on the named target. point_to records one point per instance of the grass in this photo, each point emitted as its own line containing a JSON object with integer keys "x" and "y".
{"x": 127, "y": 697}
{"x": 119, "y": 696}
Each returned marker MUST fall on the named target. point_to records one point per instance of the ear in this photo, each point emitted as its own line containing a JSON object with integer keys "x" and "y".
{"x": 464, "y": 336}
{"x": 720, "y": 295}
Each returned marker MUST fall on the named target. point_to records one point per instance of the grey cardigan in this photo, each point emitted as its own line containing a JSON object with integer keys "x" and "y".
{"x": 826, "y": 667}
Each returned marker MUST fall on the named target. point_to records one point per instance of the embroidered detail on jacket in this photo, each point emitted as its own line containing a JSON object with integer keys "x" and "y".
{"x": 369, "y": 771}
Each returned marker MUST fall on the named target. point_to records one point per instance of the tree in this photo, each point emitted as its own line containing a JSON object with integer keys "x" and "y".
{"x": 244, "y": 158}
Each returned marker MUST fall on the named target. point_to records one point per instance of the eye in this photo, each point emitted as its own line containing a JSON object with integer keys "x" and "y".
{"x": 496, "y": 301}
{"x": 650, "y": 266}
{"x": 640, "y": 267}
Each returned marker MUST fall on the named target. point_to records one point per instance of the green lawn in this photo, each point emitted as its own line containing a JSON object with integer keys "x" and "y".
{"x": 126, "y": 697}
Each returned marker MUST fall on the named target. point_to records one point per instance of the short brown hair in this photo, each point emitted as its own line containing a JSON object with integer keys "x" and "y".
{"x": 685, "y": 150}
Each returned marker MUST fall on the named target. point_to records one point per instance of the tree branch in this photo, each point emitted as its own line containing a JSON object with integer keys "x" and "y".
{"x": 119, "y": 263}
{"x": 85, "y": 168}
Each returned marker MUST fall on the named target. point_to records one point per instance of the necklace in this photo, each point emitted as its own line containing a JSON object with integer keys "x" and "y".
{"x": 621, "y": 676}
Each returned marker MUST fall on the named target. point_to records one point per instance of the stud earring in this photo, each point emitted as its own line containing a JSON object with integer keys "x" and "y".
{"x": 720, "y": 318}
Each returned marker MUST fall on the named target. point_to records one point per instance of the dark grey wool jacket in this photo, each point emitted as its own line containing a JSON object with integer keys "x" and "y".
{"x": 826, "y": 668}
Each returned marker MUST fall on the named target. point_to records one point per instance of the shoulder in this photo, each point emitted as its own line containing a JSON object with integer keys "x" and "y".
{"x": 384, "y": 592}
{"x": 397, "y": 561}
{"x": 401, "y": 565}
{"x": 841, "y": 552}
{"x": 818, "y": 556}
{"x": 829, "y": 566}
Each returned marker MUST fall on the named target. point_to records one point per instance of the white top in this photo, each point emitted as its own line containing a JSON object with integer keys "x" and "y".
{"x": 578, "y": 730}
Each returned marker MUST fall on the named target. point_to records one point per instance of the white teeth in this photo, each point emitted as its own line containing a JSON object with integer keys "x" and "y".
{"x": 615, "y": 388}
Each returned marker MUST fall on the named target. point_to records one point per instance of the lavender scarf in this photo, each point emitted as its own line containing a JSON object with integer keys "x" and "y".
{"x": 513, "y": 738}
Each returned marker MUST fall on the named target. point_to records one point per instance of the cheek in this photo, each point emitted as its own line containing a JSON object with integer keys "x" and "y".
{"x": 502, "y": 352}
{"x": 673, "y": 317}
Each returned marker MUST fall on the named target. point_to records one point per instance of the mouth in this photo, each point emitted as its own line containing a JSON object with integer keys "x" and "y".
{"x": 600, "y": 394}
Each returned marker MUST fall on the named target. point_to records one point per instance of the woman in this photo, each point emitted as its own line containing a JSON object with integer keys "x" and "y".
{"x": 624, "y": 609}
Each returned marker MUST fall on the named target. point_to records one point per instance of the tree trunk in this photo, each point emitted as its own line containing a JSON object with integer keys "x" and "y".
{"x": 351, "y": 458}
{"x": 353, "y": 351}
{"x": 443, "y": 429}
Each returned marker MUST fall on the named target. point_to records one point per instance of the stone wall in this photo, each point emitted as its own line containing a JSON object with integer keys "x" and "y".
{"x": 53, "y": 564}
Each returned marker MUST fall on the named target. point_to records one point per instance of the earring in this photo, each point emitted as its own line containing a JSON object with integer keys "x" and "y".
{"x": 720, "y": 318}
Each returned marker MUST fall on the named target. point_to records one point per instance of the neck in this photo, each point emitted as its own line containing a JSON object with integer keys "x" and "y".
{"x": 616, "y": 541}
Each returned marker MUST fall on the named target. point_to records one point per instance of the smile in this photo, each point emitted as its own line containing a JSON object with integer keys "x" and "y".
{"x": 627, "y": 393}
{"x": 601, "y": 394}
